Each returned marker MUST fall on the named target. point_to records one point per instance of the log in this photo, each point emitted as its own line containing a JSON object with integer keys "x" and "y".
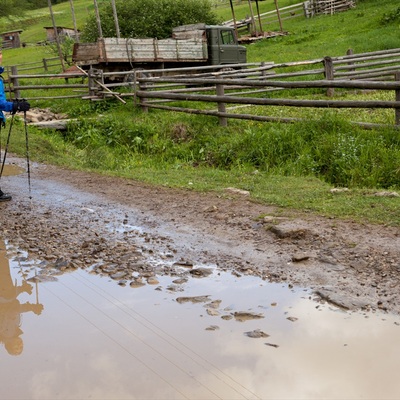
{"x": 59, "y": 125}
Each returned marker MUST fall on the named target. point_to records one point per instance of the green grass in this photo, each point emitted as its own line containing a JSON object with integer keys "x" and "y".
{"x": 292, "y": 166}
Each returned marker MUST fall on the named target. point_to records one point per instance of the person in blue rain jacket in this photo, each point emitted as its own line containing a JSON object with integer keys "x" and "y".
{"x": 8, "y": 106}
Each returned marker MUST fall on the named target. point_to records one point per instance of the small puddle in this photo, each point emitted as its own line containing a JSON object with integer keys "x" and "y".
{"x": 12, "y": 170}
{"x": 83, "y": 336}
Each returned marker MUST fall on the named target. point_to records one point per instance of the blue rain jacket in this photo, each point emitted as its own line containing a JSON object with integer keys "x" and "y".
{"x": 4, "y": 104}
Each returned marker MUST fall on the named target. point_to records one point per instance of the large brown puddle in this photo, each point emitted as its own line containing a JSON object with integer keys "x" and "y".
{"x": 85, "y": 337}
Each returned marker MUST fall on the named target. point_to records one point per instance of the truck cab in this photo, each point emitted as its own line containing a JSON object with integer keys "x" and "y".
{"x": 223, "y": 47}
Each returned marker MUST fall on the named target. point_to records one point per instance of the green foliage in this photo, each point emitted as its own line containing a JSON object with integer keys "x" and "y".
{"x": 391, "y": 17}
{"x": 66, "y": 48}
{"x": 148, "y": 18}
{"x": 329, "y": 148}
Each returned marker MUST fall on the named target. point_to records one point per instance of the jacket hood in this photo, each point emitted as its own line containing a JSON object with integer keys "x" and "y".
{"x": 1, "y": 70}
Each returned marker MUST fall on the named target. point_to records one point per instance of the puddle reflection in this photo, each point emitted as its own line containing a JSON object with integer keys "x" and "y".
{"x": 98, "y": 340}
{"x": 11, "y": 308}
{"x": 12, "y": 170}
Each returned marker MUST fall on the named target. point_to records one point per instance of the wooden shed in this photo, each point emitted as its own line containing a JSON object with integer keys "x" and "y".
{"x": 11, "y": 40}
{"x": 62, "y": 32}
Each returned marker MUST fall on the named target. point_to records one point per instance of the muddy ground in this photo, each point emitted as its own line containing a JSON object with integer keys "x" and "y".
{"x": 134, "y": 232}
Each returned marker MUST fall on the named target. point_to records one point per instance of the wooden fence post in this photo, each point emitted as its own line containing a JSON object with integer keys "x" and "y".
{"x": 263, "y": 73}
{"x": 142, "y": 100}
{"x": 328, "y": 65}
{"x": 223, "y": 121}
{"x": 45, "y": 65}
{"x": 397, "y": 110}
{"x": 91, "y": 82}
{"x": 350, "y": 52}
{"x": 15, "y": 82}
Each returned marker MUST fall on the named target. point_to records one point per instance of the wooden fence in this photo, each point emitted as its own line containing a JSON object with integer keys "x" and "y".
{"x": 217, "y": 93}
{"x": 252, "y": 84}
{"x": 367, "y": 71}
{"x": 45, "y": 65}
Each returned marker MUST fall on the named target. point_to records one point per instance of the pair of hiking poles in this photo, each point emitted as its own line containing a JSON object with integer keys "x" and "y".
{"x": 3, "y": 161}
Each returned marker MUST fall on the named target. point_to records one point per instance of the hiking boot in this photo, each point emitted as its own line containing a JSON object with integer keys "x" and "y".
{"x": 4, "y": 196}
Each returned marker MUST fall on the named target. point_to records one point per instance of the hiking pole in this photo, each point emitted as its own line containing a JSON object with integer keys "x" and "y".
{"x": 27, "y": 155}
{"x": 6, "y": 148}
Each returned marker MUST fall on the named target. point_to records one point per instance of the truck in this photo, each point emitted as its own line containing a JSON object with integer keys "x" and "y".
{"x": 190, "y": 46}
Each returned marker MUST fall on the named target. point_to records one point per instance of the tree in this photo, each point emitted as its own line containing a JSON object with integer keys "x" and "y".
{"x": 149, "y": 18}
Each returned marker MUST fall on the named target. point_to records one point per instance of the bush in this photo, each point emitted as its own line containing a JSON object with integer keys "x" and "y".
{"x": 149, "y": 18}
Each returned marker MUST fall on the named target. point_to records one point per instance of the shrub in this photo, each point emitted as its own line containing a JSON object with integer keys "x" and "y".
{"x": 149, "y": 18}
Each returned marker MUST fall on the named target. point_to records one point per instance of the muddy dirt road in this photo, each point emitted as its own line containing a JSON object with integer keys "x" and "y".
{"x": 134, "y": 232}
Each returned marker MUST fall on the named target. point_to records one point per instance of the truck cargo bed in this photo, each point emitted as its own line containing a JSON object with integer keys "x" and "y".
{"x": 112, "y": 50}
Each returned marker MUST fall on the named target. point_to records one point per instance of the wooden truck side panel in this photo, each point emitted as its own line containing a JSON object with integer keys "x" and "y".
{"x": 153, "y": 50}
{"x": 86, "y": 53}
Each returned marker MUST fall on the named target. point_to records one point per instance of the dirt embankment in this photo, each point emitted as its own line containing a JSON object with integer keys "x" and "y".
{"x": 134, "y": 232}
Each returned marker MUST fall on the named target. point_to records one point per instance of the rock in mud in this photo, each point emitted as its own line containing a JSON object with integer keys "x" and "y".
{"x": 246, "y": 315}
{"x": 272, "y": 345}
{"x": 118, "y": 275}
{"x": 193, "y": 299}
{"x": 152, "y": 280}
{"x": 137, "y": 283}
{"x": 201, "y": 272}
{"x": 179, "y": 281}
{"x": 298, "y": 257}
{"x": 256, "y": 334}
{"x": 288, "y": 230}
{"x": 212, "y": 328}
{"x": 214, "y": 304}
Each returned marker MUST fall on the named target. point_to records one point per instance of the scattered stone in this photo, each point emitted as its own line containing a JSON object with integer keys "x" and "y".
{"x": 213, "y": 312}
{"x": 227, "y": 317}
{"x": 212, "y": 328}
{"x": 256, "y": 334}
{"x": 201, "y": 272}
{"x": 192, "y": 299}
{"x": 292, "y": 319}
{"x": 214, "y": 304}
{"x": 237, "y": 191}
{"x": 180, "y": 281}
{"x": 210, "y": 209}
{"x": 246, "y": 315}
{"x": 272, "y": 345}
{"x": 289, "y": 231}
{"x": 152, "y": 280}
{"x": 118, "y": 275}
{"x": 187, "y": 264}
{"x": 137, "y": 283}
{"x": 298, "y": 257}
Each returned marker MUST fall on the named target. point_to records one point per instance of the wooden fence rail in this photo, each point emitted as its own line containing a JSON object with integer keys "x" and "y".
{"x": 46, "y": 64}
{"x": 221, "y": 98}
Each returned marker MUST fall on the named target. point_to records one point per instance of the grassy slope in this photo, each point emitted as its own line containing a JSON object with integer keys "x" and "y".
{"x": 358, "y": 29}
